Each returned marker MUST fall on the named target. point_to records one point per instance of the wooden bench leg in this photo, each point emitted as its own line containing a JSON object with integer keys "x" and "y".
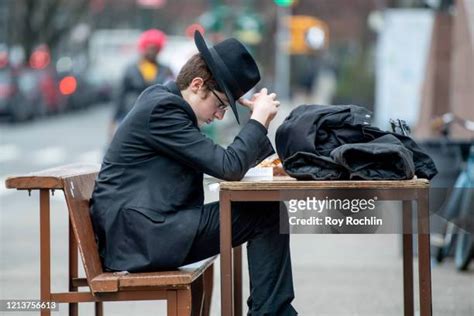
{"x": 73, "y": 269}
{"x": 197, "y": 296}
{"x": 171, "y": 303}
{"x": 45, "y": 250}
{"x": 179, "y": 302}
{"x": 408, "y": 305}
{"x": 208, "y": 289}
{"x": 184, "y": 302}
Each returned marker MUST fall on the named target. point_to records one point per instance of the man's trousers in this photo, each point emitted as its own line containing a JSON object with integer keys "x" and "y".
{"x": 268, "y": 252}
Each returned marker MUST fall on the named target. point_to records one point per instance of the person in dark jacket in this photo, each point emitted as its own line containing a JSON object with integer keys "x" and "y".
{"x": 141, "y": 74}
{"x": 148, "y": 206}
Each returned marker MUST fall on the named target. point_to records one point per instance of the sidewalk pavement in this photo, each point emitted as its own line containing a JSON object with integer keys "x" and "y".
{"x": 333, "y": 274}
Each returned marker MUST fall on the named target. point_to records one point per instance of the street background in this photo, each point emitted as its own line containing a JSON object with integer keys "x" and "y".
{"x": 391, "y": 56}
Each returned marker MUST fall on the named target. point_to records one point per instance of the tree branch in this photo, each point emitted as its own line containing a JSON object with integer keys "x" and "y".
{"x": 29, "y": 38}
{"x": 49, "y": 13}
{"x": 75, "y": 14}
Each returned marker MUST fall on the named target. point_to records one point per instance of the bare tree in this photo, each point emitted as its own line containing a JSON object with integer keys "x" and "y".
{"x": 47, "y": 22}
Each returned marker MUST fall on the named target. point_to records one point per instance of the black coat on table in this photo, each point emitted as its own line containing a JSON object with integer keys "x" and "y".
{"x": 147, "y": 200}
{"x": 329, "y": 142}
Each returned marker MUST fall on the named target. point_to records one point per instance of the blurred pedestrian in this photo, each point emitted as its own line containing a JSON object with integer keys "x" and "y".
{"x": 148, "y": 203}
{"x": 141, "y": 74}
{"x": 305, "y": 76}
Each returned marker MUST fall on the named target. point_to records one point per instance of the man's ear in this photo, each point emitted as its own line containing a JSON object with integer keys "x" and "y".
{"x": 196, "y": 84}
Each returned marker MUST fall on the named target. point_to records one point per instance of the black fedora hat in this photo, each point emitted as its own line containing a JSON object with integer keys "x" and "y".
{"x": 231, "y": 65}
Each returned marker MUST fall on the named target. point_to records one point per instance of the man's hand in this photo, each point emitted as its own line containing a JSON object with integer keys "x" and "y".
{"x": 263, "y": 106}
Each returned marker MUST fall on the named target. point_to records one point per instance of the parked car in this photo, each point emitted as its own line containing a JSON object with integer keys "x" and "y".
{"x": 14, "y": 102}
{"x": 101, "y": 90}
{"x": 75, "y": 89}
{"x": 29, "y": 86}
{"x": 110, "y": 51}
{"x": 55, "y": 101}
{"x": 73, "y": 83}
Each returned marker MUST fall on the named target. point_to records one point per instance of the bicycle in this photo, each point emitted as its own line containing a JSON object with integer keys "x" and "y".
{"x": 459, "y": 206}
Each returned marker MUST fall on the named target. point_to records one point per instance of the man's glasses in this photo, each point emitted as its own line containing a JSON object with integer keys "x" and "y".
{"x": 222, "y": 106}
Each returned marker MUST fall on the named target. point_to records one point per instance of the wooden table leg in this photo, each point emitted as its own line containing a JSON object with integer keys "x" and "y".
{"x": 238, "y": 281}
{"x": 408, "y": 305}
{"x": 424, "y": 258}
{"x": 208, "y": 289}
{"x": 45, "y": 250}
{"x": 99, "y": 308}
{"x": 73, "y": 269}
{"x": 226, "y": 254}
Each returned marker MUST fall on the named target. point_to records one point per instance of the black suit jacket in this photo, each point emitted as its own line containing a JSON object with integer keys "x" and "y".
{"x": 148, "y": 196}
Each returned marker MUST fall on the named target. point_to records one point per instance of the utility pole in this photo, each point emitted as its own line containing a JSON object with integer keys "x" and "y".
{"x": 4, "y": 22}
{"x": 282, "y": 58}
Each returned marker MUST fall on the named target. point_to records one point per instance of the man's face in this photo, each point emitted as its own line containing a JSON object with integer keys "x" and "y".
{"x": 150, "y": 53}
{"x": 210, "y": 105}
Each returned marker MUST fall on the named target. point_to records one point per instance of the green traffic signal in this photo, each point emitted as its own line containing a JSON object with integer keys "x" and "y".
{"x": 283, "y": 3}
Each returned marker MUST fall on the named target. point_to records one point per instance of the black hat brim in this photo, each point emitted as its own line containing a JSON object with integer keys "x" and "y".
{"x": 215, "y": 66}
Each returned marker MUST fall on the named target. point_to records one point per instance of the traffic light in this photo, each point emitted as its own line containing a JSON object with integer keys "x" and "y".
{"x": 284, "y": 3}
{"x": 308, "y": 34}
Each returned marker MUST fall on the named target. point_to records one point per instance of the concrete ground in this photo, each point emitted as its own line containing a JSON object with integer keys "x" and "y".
{"x": 333, "y": 274}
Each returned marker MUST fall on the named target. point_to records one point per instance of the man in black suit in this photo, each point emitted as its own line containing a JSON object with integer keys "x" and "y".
{"x": 148, "y": 204}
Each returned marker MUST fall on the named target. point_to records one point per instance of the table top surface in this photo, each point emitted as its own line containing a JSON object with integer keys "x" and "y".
{"x": 52, "y": 179}
{"x": 288, "y": 183}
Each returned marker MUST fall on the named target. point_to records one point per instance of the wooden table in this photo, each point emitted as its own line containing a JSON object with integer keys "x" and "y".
{"x": 285, "y": 188}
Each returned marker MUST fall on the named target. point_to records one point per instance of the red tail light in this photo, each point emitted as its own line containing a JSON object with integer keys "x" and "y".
{"x": 39, "y": 59}
{"x": 3, "y": 59}
{"x": 68, "y": 85}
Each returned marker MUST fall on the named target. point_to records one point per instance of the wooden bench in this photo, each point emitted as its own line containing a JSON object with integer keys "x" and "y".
{"x": 187, "y": 290}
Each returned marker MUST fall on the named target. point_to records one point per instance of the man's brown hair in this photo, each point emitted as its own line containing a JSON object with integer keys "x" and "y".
{"x": 195, "y": 67}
